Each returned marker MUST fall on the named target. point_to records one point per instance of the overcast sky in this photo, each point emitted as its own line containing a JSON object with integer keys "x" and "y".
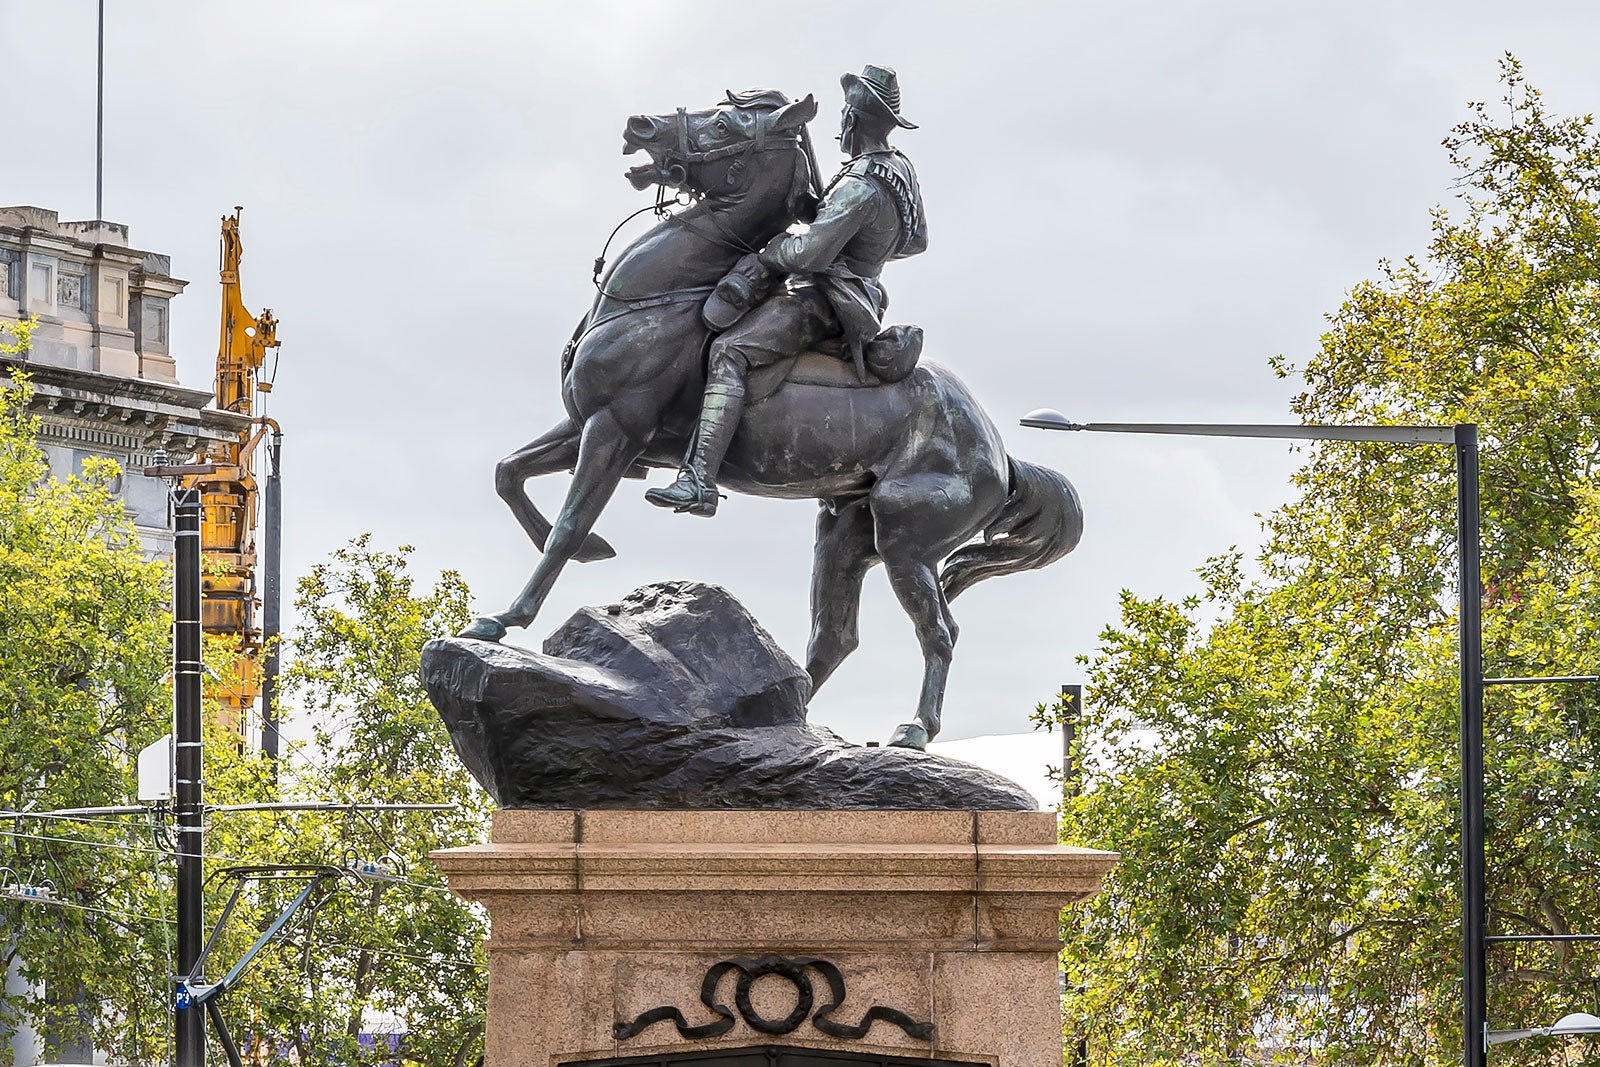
{"x": 1132, "y": 207}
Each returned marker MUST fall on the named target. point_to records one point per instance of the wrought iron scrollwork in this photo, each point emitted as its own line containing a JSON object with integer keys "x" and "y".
{"x": 794, "y": 970}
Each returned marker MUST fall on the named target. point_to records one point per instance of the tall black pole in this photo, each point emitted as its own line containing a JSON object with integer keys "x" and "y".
{"x": 100, "y": 114}
{"x": 1474, "y": 974}
{"x": 1474, "y": 910}
{"x": 190, "y": 1021}
{"x": 1071, "y": 713}
{"x": 1071, "y": 710}
{"x": 271, "y": 594}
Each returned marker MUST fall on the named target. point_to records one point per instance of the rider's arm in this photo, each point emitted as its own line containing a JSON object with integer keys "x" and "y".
{"x": 851, "y": 205}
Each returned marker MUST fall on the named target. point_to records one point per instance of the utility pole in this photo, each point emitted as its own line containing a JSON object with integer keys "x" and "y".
{"x": 271, "y": 593}
{"x": 189, "y": 1021}
{"x": 1464, "y": 437}
{"x": 1474, "y": 927}
{"x": 1071, "y": 712}
{"x": 189, "y": 1018}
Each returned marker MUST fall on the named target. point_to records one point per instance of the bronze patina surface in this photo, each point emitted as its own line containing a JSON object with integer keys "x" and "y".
{"x": 750, "y": 354}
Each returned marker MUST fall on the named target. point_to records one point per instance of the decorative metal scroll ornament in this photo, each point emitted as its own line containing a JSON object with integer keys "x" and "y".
{"x": 795, "y": 971}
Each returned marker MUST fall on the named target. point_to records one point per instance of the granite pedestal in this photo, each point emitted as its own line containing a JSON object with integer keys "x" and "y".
{"x": 867, "y": 937}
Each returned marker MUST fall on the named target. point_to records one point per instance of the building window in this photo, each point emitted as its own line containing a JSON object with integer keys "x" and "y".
{"x": 154, "y": 327}
{"x": 5, "y": 278}
{"x": 41, "y": 286}
{"x": 69, "y": 291}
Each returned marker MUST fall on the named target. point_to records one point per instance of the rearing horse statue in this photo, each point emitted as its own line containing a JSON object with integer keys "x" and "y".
{"x": 911, "y": 474}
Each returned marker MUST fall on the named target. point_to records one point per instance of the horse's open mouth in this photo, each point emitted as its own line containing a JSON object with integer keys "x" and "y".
{"x": 642, "y": 134}
{"x": 667, "y": 172}
{"x": 646, "y": 174}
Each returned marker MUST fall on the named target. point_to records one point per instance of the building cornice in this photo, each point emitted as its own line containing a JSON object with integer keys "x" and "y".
{"x": 156, "y": 414}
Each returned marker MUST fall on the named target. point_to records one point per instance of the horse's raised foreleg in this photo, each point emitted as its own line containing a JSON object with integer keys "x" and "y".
{"x": 916, "y": 584}
{"x": 605, "y": 452}
{"x": 554, "y": 451}
{"x": 844, "y": 554}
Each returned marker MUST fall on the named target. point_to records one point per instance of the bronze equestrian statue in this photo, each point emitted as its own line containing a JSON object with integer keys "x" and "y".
{"x": 909, "y": 471}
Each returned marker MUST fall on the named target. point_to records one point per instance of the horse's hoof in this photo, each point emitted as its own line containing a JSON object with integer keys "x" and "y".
{"x": 593, "y": 549}
{"x": 909, "y": 735}
{"x": 484, "y": 629}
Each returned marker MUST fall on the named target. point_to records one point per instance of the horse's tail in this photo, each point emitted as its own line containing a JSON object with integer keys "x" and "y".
{"x": 1041, "y": 522}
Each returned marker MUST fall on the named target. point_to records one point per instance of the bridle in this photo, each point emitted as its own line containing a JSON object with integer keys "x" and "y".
{"x": 745, "y": 151}
{"x": 674, "y": 170}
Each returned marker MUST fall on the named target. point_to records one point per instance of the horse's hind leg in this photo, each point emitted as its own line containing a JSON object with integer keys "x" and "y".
{"x": 916, "y": 584}
{"x": 844, "y": 554}
{"x": 920, "y": 519}
{"x": 554, "y": 451}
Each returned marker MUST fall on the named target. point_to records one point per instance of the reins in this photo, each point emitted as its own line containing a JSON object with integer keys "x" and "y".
{"x": 661, "y": 207}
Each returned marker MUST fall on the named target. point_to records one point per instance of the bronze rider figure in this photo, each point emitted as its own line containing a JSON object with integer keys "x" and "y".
{"x": 826, "y": 281}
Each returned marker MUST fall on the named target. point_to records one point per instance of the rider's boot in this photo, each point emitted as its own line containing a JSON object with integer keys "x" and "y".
{"x": 695, "y": 490}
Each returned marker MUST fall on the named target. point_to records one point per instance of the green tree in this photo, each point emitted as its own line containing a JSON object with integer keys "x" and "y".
{"x": 382, "y": 968}
{"x": 84, "y": 655}
{"x": 83, "y": 651}
{"x": 381, "y": 955}
{"x": 19, "y": 330}
{"x": 1277, "y": 758}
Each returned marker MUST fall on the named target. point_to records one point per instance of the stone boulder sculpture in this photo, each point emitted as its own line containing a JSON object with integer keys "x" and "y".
{"x": 673, "y": 698}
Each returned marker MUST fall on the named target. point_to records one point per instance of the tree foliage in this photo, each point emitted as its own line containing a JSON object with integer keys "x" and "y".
{"x": 83, "y": 650}
{"x": 20, "y": 331}
{"x": 84, "y": 655}
{"x": 380, "y": 956}
{"x": 1279, "y": 767}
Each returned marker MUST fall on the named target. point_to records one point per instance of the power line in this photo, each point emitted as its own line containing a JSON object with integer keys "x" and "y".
{"x": 81, "y": 841}
{"x": 162, "y": 852}
{"x": 57, "y": 902}
{"x": 69, "y": 815}
{"x": 432, "y": 957}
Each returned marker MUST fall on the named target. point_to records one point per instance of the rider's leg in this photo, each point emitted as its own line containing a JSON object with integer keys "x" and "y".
{"x": 788, "y": 322}
{"x": 719, "y": 415}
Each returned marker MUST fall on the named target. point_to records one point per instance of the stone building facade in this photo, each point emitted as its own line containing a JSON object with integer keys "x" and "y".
{"x": 105, "y": 383}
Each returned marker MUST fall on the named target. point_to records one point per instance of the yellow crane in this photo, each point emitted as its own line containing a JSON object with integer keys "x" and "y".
{"x": 228, "y": 499}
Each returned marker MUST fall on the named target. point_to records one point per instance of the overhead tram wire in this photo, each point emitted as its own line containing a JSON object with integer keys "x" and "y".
{"x": 432, "y": 957}
{"x": 57, "y": 902}
{"x": 161, "y": 852}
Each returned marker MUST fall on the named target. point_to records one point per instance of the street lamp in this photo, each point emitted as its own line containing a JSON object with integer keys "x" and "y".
{"x": 1464, "y": 436}
{"x": 1579, "y": 1022}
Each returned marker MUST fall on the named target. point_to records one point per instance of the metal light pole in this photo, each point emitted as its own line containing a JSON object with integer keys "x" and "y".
{"x": 189, "y": 1019}
{"x": 1071, "y": 712}
{"x": 1474, "y": 929}
{"x": 271, "y": 595}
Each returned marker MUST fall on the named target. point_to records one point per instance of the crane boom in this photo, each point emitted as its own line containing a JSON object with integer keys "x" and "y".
{"x": 228, "y": 496}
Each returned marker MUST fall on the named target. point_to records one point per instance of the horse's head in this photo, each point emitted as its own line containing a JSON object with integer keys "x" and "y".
{"x": 715, "y": 150}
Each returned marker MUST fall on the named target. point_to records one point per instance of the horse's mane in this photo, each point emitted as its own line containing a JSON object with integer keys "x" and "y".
{"x": 806, "y": 188}
{"x": 767, "y": 99}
